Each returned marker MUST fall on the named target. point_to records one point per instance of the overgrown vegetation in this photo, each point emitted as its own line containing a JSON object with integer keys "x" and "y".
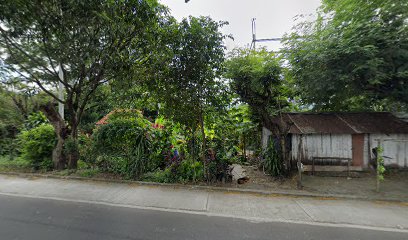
{"x": 37, "y": 144}
{"x": 272, "y": 163}
{"x": 353, "y": 57}
{"x": 182, "y": 109}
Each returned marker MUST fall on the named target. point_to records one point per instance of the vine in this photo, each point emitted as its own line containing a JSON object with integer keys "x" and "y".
{"x": 380, "y": 166}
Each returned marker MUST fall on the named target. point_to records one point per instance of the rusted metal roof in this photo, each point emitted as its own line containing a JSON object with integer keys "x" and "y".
{"x": 105, "y": 119}
{"x": 342, "y": 123}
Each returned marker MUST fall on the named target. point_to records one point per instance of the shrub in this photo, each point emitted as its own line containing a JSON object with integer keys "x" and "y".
{"x": 35, "y": 119}
{"x": 8, "y": 143}
{"x": 189, "y": 171}
{"x": 16, "y": 164}
{"x": 162, "y": 176}
{"x": 86, "y": 150}
{"x": 123, "y": 146}
{"x": 218, "y": 161}
{"x": 272, "y": 163}
{"x": 88, "y": 172}
{"x": 37, "y": 145}
{"x": 181, "y": 172}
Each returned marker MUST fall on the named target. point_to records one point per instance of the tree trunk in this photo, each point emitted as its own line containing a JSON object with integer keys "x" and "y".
{"x": 58, "y": 157}
{"x": 204, "y": 146}
{"x": 244, "y": 146}
{"x": 61, "y": 131}
{"x": 72, "y": 153}
{"x": 193, "y": 143}
{"x": 284, "y": 155}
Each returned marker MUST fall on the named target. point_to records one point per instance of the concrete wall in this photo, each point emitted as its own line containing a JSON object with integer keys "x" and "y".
{"x": 322, "y": 145}
{"x": 395, "y": 148}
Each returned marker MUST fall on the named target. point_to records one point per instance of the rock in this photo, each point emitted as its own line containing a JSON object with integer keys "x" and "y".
{"x": 239, "y": 174}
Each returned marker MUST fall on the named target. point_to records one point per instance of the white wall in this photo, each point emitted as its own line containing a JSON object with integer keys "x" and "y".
{"x": 340, "y": 145}
{"x": 265, "y": 136}
{"x": 322, "y": 145}
{"x": 395, "y": 148}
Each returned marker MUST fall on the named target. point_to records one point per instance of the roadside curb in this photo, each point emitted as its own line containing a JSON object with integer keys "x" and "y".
{"x": 293, "y": 193}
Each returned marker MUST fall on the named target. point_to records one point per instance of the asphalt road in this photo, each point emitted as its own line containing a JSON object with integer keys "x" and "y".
{"x": 35, "y": 219}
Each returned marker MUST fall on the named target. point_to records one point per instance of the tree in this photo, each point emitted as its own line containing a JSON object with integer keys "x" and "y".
{"x": 92, "y": 41}
{"x": 189, "y": 84}
{"x": 258, "y": 79}
{"x": 354, "y": 56}
{"x": 233, "y": 130}
{"x": 10, "y": 121}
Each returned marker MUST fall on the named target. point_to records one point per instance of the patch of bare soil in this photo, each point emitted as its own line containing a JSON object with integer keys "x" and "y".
{"x": 363, "y": 184}
{"x": 260, "y": 181}
{"x": 394, "y": 186}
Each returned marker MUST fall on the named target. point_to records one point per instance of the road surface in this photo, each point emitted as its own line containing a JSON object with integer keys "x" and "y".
{"x": 41, "y": 219}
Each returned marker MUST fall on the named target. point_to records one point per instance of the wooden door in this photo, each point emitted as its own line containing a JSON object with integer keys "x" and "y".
{"x": 358, "y": 149}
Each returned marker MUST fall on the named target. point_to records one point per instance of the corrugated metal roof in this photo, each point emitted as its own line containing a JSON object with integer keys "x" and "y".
{"x": 342, "y": 123}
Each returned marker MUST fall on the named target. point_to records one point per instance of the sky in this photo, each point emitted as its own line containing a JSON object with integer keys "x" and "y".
{"x": 273, "y": 17}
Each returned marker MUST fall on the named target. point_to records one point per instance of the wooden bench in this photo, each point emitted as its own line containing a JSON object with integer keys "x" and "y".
{"x": 335, "y": 164}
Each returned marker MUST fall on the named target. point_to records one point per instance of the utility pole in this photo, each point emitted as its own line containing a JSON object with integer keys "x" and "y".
{"x": 253, "y": 33}
{"x": 60, "y": 91}
{"x": 254, "y": 39}
{"x": 60, "y": 85}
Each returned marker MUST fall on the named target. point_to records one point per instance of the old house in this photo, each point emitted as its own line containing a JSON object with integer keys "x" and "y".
{"x": 344, "y": 138}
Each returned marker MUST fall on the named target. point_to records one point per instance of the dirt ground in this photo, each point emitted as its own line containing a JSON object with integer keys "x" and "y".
{"x": 394, "y": 186}
{"x": 258, "y": 180}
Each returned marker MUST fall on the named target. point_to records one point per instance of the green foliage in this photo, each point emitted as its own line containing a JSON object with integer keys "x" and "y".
{"x": 161, "y": 176}
{"x": 258, "y": 78}
{"x": 218, "y": 167}
{"x": 123, "y": 146}
{"x": 86, "y": 150}
{"x": 354, "y": 56}
{"x": 87, "y": 172}
{"x": 82, "y": 165}
{"x": 92, "y": 42}
{"x": 189, "y": 171}
{"x": 10, "y": 123}
{"x": 37, "y": 145}
{"x": 16, "y": 164}
{"x": 71, "y": 145}
{"x": 380, "y": 164}
{"x": 35, "y": 119}
{"x": 186, "y": 78}
{"x": 183, "y": 172}
{"x": 232, "y": 132}
{"x": 98, "y": 106}
{"x": 189, "y": 80}
{"x": 272, "y": 163}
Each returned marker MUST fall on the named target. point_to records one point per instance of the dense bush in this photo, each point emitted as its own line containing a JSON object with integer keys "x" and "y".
{"x": 37, "y": 145}
{"x": 189, "y": 171}
{"x": 133, "y": 147}
{"x": 272, "y": 163}
{"x": 16, "y": 164}
{"x": 181, "y": 172}
{"x": 161, "y": 176}
{"x": 123, "y": 146}
{"x": 8, "y": 143}
{"x": 35, "y": 119}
